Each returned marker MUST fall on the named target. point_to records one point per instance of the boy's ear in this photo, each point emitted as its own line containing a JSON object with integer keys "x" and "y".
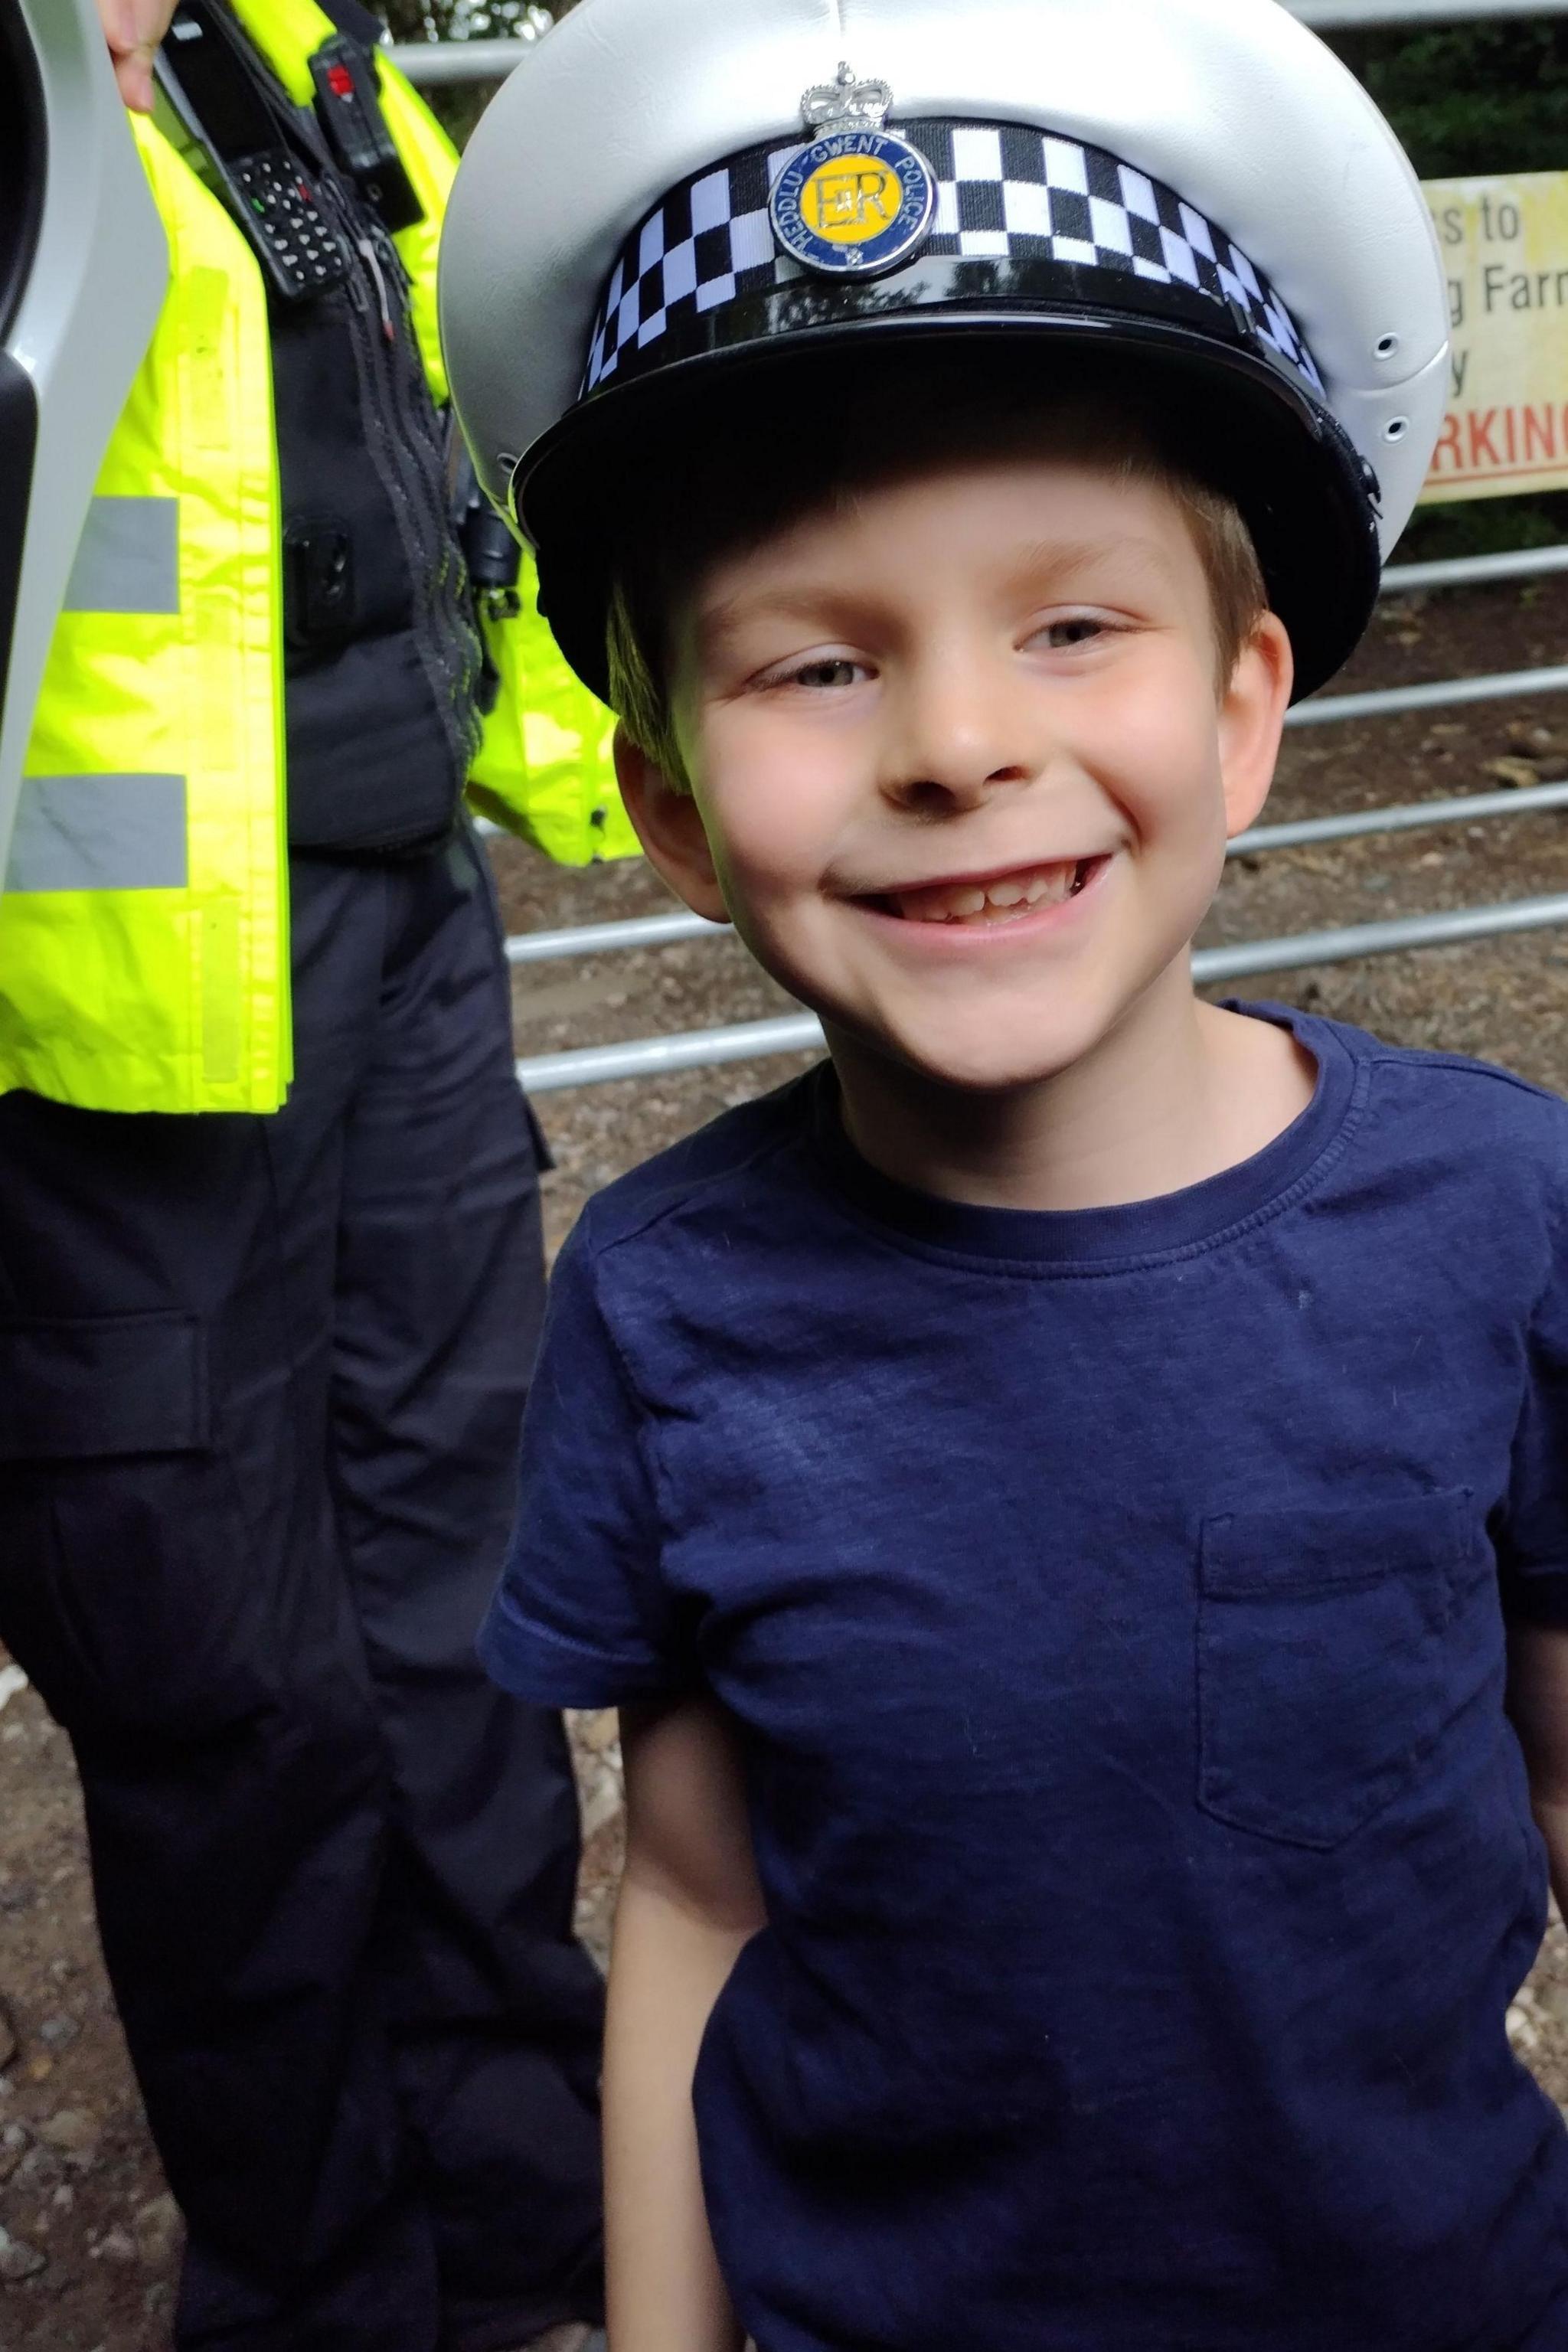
{"x": 668, "y": 824}
{"x": 1251, "y": 719}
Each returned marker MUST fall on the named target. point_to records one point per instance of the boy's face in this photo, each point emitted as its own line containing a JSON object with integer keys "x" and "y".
{"x": 961, "y": 774}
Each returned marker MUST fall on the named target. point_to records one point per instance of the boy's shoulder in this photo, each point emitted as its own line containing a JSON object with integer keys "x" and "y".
{"x": 1463, "y": 1106}
{"x": 701, "y": 1179}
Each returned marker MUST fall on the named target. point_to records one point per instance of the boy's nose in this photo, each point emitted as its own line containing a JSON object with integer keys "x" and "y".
{"x": 932, "y": 795}
{"x": 957, "y": 743}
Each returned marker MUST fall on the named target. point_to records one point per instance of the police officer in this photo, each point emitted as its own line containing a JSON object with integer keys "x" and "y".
{"x": 270, "y": 1250}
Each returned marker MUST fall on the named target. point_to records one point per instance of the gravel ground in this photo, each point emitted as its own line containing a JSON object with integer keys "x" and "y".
{"x": 88, "y": 2239}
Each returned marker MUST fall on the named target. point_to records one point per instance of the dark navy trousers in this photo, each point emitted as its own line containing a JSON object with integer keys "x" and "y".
{"x": 261, "y": 1381}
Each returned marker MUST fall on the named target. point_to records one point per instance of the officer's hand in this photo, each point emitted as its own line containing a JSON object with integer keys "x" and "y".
{"x": 134, "y": 29}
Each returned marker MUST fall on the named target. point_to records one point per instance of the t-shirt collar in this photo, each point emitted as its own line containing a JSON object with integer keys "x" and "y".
{"x": 1198, "y": 1217}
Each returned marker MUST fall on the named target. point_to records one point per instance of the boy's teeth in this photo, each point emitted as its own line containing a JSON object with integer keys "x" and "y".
{"x": 968, "y": 902}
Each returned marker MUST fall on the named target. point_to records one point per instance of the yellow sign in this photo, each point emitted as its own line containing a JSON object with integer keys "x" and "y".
{"x": 1505, "y": 248}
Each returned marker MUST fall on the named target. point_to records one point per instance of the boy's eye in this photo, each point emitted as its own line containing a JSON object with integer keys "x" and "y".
{"x": 1080, "y": 629}
{"x": 833, "y": 670}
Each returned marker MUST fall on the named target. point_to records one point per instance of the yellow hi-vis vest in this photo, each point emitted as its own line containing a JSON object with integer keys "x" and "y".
{"x": 143, "y": 919}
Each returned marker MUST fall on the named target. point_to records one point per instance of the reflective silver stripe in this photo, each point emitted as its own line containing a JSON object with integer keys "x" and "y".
{"x": 99, "y": 833}
{"x": 128, "y": 559}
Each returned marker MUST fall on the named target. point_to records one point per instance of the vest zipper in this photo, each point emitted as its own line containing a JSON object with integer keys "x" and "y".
{"x": 402, "y": 434}
{"x": 388, "y": 331}
{"x": 405, "y": 446}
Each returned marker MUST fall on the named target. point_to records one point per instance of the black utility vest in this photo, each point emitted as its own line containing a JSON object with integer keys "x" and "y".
{"x": 383, "y": 657}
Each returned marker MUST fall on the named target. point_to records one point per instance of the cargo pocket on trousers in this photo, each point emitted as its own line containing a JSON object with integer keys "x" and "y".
{"x": 1320, "y": 1660}
{"x": 124, "y": 1591}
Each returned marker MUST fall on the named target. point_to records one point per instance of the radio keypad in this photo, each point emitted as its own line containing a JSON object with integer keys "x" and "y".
{"x": 291, "y": 222}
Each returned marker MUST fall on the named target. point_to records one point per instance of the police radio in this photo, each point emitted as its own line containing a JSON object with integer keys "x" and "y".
{"x": 211, "y": 86}
{"x": 348, "y": 106}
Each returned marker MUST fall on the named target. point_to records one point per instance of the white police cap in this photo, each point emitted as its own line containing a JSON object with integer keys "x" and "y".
{"x": 673, "y": 188}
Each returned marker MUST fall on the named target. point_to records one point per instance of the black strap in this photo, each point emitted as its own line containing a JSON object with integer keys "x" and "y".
{"x": 356, "y": 24}
{"x": 296, "y": 125}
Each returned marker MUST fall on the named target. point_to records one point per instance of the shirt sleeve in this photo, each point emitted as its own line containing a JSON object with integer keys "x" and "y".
{"x": 581, "y": 1617}
{"x": 1533, "y": 1545}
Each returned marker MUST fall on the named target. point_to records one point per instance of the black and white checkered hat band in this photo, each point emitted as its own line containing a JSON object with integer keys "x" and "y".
{"x": 1005, "y": 193}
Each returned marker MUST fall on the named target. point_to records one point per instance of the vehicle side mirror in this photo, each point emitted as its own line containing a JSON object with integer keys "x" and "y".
{"x": 83, "y": 266}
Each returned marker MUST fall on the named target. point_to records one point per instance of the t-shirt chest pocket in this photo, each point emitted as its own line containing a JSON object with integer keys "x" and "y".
{"x": 1320, "y": 1659}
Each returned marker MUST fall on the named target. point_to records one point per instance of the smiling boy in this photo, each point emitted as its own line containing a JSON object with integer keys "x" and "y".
{"x": 1058, "y": 1493}
{"x": 965, "y": 740}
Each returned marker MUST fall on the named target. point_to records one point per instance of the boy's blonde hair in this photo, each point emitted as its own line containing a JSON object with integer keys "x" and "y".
{"x": 751, "y": 478}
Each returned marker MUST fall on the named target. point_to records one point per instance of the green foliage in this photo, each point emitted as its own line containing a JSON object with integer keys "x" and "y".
{"x": 1472, "y": 97}
{"x": 1464, "y": 97}
{"x": 467, "y": 20}
{"x": 460, "y": 104}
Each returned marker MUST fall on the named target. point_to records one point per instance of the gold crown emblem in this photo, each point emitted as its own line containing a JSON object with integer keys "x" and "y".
{"x": 845, "y": 104}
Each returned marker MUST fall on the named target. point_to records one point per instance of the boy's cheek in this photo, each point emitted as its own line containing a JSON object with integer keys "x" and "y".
{"x": 776, "y": 902}
{"x": 1170, "y": 784}
{"x": 769, "y": 903}
{"x": 771, "y": 826}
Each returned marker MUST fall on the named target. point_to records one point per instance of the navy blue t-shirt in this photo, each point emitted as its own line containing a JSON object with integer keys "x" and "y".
{"x": 1112, "y": 1605}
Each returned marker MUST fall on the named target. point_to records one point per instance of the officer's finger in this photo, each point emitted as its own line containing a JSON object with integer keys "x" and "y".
{"x": 134, "y": 29}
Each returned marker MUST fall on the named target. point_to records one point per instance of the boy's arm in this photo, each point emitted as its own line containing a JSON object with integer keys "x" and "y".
{"x": 688, "y": 1901}
{"x": 1538, "y": 1702}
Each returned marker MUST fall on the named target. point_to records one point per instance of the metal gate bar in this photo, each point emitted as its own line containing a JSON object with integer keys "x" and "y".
{"x": 433, "y": 62}
{"x": 1393, "y": 701}
{"x": 1367, "y": 16}
{"x": 1473, "y": 570}
{"x": 801, "y": 1033}
{"x": 1352, "y": 825}
{"x": 1384, "y": 702}
{"x": 665, "y": 930}
{"x": 1400, "y": 580}
{"x": 601, "y": 939}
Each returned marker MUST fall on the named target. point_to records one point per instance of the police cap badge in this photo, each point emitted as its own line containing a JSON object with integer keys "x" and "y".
{"x": 856, "y": 202}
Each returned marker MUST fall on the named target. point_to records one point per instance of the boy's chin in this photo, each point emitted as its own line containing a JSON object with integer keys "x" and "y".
{"x": 981, "y": 1061}
{"x": 994, "y": 1074}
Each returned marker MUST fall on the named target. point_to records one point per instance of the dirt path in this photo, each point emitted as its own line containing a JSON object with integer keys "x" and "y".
{"x": 88, "y": 2261}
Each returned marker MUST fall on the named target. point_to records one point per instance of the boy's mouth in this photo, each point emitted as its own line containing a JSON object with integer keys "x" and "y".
{"x": 1008, "y": 899}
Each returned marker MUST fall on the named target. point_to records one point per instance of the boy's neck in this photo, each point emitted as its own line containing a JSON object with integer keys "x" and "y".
{"x": 1178, "y": 1092}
